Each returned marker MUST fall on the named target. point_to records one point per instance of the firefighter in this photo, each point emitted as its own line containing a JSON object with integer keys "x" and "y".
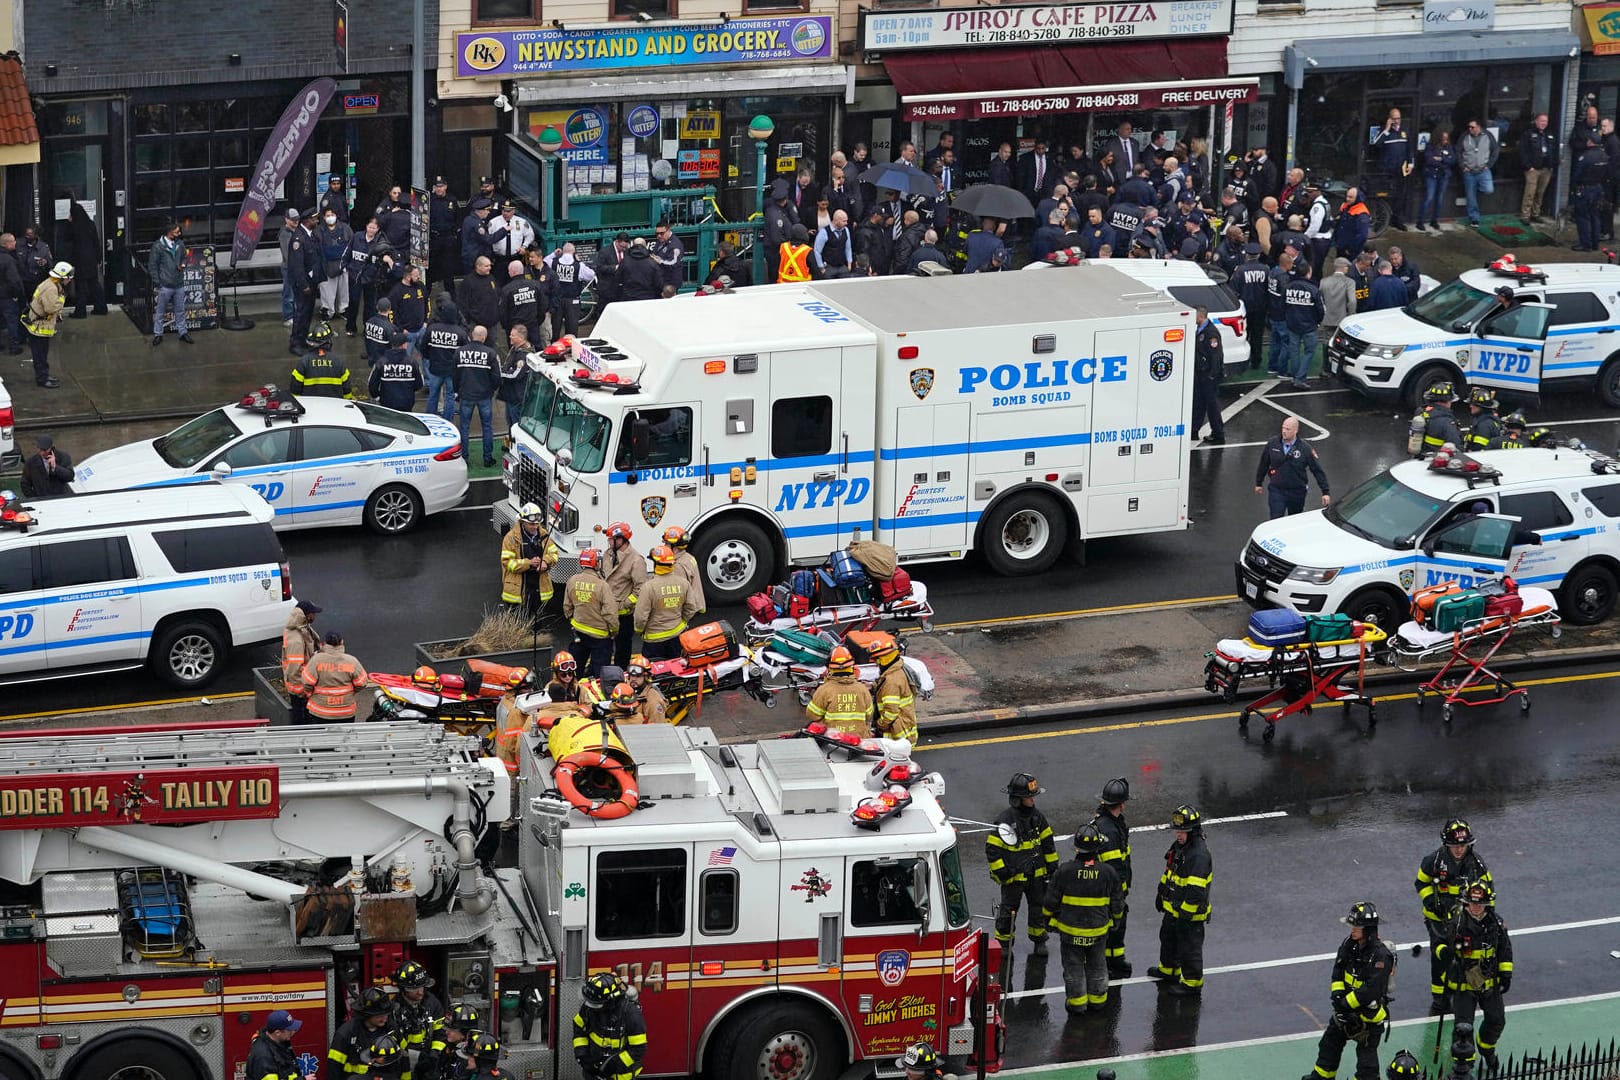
{"x": 1436, "y": 425}
{"x": 793, "y": 256}
{"x": 1440, "y": 878}
{"x": 564, "y": 676}
{"x": 893, "y": 702}
{"x": 386, "y": 1058}
{"x": 527, "y": 556}
{"x": 271, "y": 1057}
{"x": 354, "y": 1035}
{"x": 1184, "y": 899}
{"x": 1360, "y": 991}
{"x": 333, "y": 678}
{"x": 685, "y": 565}
{"x": 1021, "y": 856}
{"x": 1478, "y": 959}
{"x": 622, "y": 704}
{"x": 441, "y": 1059}
{"x": 1513, "y": 436}
{"x": 1404, "y": 1066}
{"x": 922, "y": 1062}
{"x": 651, "y": 704}
{"x": 299, "y": 641}
{"x": 1082, "y": 902}
{"x": 589, "y": 607}
{"x": 665, "y": 606}
{"x": 416, "y": 1010}
{"x": 625, "y": 570}
{"x": 610, "y": 1037}
{"x": 320, "y": 374}
{"x": 842, "y": 702}
{"x": 1110, "y": 821}
{"x": 482, "y": 1053}
{"x": 1486, "y": 427}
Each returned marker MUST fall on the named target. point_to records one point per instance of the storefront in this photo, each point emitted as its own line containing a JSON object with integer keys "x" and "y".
{"x": 1600, "y": 58}
{"x": 644, "y": 106}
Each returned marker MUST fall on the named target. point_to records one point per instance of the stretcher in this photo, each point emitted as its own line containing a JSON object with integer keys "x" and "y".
{"x": 846, "y": 617}
{"x": 1468, "y": 652}
{"x": 1299, "y": 675}
{"x": 774, "y": 674}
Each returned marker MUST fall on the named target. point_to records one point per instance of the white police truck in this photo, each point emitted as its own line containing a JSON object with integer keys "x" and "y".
{"x": 1562, "y": 332}
{"x": 1009, "y": 413}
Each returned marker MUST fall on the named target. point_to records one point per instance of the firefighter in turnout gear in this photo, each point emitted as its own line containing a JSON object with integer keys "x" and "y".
{"x": 527, "y": 556}
{"x": 482, "y": 1054}
{"x": 588, "y": 605}
{"x": 893, "y": 702}
{"x": 1436, "y": 425}
{"x": 651, "y": 705}
{"x": 1440, "y": 878}
{"x": 610, "y": 1037}
{"x": 320, "y": 374}
{"x": 1360, "y": 992}
{"x": 1477, "y": 957}
{"x": 921, "y": 1062}
{"x": 1021, "y": 856}
{"x": 1110, "y": 821}
{"x": 625, "y": 571}
{"x": 416, "y": 1010}
{"x": 1184, "y": 898}
{"x": 842, "y": 702}
{"x": 1082, "y": 902}
{"x": 685, "y": 565}
{"x": 353, "y": 1037}
{"x": 441, "y": 1060}
{"x": 664, "y": 607}
{"x": 1486, "y": 427}
{"x": 386, "y": 1058}
{"x": 1404, "y": 1066}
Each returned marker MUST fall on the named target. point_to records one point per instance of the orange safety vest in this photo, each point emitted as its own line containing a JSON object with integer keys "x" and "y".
{"x": 795, "y": 263}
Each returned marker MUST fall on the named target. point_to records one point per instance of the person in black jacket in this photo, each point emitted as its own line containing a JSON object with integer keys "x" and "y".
{"x": 444, "y": 253}
{"x": 1209, "y": 365}
{"x": 609, "y": 257}
{"x": 1184, "y": 899}
{"x": 728, "y": 265}
{"x": 395, "y": 378}
{"x": 1286, "y": 461}
{"x": 523, "y": 302}
{"x": 379, "y": 331}
{"x": 638, "y": 274}
{"x": 163, "y": 266}
{"x": 774, "y": 231}
{"x": 270, "y": 1057}
{"x": 393, "y": 215}
{"x": 442, "y": 341}
{"x": 1110, "y": 821}
{"x": 1538, "y": 156}
{"x": 83, "y": 250}
{"x": 478, "y": 376}
{"x": 370, "y": 263}
{"x": 48, "y": 471}
{"x": 11, "y": 294}
{"x": 1359, "y": 994}
{"x": 306, "y": 268}
{"x": 408, "y": 301}
{"x": 875, "y": 240}
{"x": 479, "y": 298}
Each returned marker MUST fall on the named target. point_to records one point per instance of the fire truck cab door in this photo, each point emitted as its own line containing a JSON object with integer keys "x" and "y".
{"x": 641, "y": 904}
{"x": 894, "y": 958}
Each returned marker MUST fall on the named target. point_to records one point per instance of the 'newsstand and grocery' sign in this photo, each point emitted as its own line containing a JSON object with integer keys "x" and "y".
{"x": 503, "y": 53}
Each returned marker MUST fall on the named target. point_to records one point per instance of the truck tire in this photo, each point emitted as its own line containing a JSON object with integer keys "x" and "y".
{"x": 393, "y": 510}
{"x": 1024, "y": 534}
{"x": 189, "y": 654}
{"x": 1587, "y": 595}
{"x": 135, "y": 1059}
{"x": 1378, "y": 603}
{"x": 736, "y": 560}
{"x": 781, "y": 1040}
{"x": 1608, "y": 382}
{"x": 1426, "y": 377}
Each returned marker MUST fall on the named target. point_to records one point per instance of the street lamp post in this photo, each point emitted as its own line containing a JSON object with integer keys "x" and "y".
{"x": 760, "y": 129}
{"x": 550, "y": 140}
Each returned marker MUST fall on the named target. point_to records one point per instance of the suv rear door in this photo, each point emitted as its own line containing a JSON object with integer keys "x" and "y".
{"x": 1506, "y": 352}
{"x": 1580, "y": 335}
{"x": 91, "y": 602}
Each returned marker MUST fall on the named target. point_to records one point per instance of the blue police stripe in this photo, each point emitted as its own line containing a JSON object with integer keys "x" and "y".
{"x": 76, "y": 643}
{"x": 113, "y": 591}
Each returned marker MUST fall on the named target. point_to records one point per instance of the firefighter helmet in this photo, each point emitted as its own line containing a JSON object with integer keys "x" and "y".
{"x": 841, "y": 662}
{"x": 63, "y": 270}
{"x": 375, "y": 1001}
{"x": 1457, "y": 833}
{"x": 563, "y": 663}
{"x": 623, "y": 698}
{"x": 1116, "y": 791}
{"x": 531, "y": 512}
{"x": 1515, "y": 420}
{"x": 319, "y": 336}
{"x": 1186, "y": 816}
{"x": 590, "y": 559}
{"x": 424, "y": 676}
{"x": 638, "y": 665}
{"x": 1483, "y": 397}
{"x": 1089, "y": 840}
{"x": 663, "y": 557}
{"x": 883, "y": 649}
{"x": 1363, "y": 914}
{"x": 1478, "y": 892}
{"x": 384, "y": 1050}
{"x": 920, "y": 1057}
{"x": 1024, "y": 786}
{"x": 519, "y": 677}
{"x": 617, "y": 530}
{"x": 462, "y": 1017}
{"x": 1404, "y": 1066}
{"x": 412, "y": 976}
{"x": 676, "y": 537}
{"x": 602, "y": 990}
{"x": 482, "y": 1047}
{"x": 1441, "y": 392}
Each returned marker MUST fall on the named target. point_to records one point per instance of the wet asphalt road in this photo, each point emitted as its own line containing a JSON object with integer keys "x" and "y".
{"x": 1356, "y": 814}
{"x": 383, "y": 595}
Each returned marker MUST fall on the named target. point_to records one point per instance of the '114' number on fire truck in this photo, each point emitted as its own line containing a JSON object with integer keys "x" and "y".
{"x": 652, "y": 979}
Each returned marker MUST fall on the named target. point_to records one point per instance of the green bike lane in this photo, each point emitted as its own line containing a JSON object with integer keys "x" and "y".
{"x": 1532, "y": 1027}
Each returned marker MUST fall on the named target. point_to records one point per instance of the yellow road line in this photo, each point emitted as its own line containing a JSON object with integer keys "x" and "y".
{"x": 130, "y": 705}
{"x": 1133, "y": 725}
{"x": 1153, "y": 605}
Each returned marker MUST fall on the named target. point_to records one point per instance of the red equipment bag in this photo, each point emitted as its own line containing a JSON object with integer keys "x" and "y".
{"x": 798, "y": 606}
{"x": 1508, "y": 605}
{"x": 761, "y": 608}
{"x": 897, "y": 587}
{"x": 709, "y": 644}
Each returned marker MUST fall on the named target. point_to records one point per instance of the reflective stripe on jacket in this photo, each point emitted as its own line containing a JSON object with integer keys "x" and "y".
{"x": 45, "y": 309}
{"x": 794, "y": 262}
{"x": 1184, "y": 885}
{"x": 1020, "y": 847}
{"x": 664, "y": 608}
{"x": 896, "y": 705}
{"x": 1084, "y": 900}
{"x": 332, "y": 677}
{"x": 587, "y": 605}
{"x": 514, "y": 563}
{"x": 843, "y": 703}
{"x": 297, "y": 643}
{"x": 624, "y": 571}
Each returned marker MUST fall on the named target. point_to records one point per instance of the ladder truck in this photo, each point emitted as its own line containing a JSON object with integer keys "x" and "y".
{"x": 778, "y": 912}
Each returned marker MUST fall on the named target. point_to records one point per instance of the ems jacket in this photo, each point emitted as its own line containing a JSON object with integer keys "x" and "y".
{"x": 844, "y": 704}
{"x": 271, "y": 1060}
{"x": 1118, "y": 852}
{"x": 478, "y": 372}
{"x": 1084, "y": 900}
{"x": 664, "y": 607}
{"x": 516, "y": 551}
{"x": 332, "y": 677}
{"x": 1184, "y": 885}
{"x": 1361, "y": 973}
{"x": 610, "y": 1043}
{"x": 1440, "y": 878}
{"x": 1477, "y": 953}
{"x": 298, "y": 643}
{"x": 1020, "y": 848}
{"x": 320, "y": 374}
{"x": 588, "y": 605}
{"x": 395, "y": 381}
{"x": 625, "y": 571}
{"x": 895, "y": 703}
{"x": 686, "y": 566}
{"x": 163, "y": 263}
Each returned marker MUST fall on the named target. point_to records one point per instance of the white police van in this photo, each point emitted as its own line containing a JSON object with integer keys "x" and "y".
{"x": 169, "y": 579}
{"x": 1414, "y": 525}
{"x": 1563, "y": 333}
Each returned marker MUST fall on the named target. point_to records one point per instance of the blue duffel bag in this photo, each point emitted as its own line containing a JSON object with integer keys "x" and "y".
{"x": 1277, "y": 626}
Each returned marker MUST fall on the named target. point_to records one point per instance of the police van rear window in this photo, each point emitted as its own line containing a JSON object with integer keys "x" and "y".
{"x": 219, "y": 547}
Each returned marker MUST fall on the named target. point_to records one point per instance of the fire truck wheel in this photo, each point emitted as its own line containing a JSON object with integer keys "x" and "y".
{"x": 1024, "y": 534}
{"x": 779, "y": 1040}
{"x": 189, "y": 654}
{"x": 135, "y": 1059}
{"x": 737, "y": 560}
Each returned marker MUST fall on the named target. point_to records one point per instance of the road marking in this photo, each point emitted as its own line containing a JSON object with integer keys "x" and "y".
{"x": 1266, "y": 816}
{"x": 1312, "y": 393}
{"x": 1318, "y": 958}
{"x": 1133, "y": 725}
{"x": 1272, "y": 1040}
{"x": 1258, "y": 395}
{"x": 1150, "y": 605}
{"x": 130, "y": 705}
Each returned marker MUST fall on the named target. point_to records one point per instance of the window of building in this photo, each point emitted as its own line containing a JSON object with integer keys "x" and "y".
{"x": 776, "y": 5}
{"x": 1577, "y": 307}
{"x": 801, "y": 427}
{"x": 640, "y": 894}
{"x": 1606, "y": 498}
{"x": 629, "y": 9}
{"x": 17, "y": 569}
{"x": 70, "y": 563}
{"x": 505, "y": 11}
{"x": 1537, "y": 510}
{"x": 880, "y": 893}
{"x": 655, "y": 439}
{"x": 192, "y": 551}
{"x": 718, "y": 894}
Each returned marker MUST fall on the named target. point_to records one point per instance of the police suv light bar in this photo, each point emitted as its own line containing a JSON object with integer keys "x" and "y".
{"x": 13, "y": 515}
{"x": 1510, "y": 267}
{"x": 271, "y": 402}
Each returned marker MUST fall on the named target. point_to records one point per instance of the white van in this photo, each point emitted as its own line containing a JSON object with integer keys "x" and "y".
{"x": 1560, "y": 335}
{"x": 173, "y": 579}
{"x": 1413, "y": 525}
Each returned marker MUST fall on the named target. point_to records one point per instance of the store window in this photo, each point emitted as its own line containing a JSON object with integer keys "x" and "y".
{"x": 776, "y": 5}
{"x": 630, "y": 9}
{"x": 505, "y": 11}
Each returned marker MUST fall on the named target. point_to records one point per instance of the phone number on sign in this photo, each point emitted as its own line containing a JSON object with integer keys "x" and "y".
{"x": 1056, "y": 103}
{"x": 1066, "y": 33}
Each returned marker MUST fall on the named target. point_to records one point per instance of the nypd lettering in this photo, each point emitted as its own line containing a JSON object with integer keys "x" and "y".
{"x": 823, "y": 494}
{"x": 1503, "y": 362}
{"x": 1043, "y": 374}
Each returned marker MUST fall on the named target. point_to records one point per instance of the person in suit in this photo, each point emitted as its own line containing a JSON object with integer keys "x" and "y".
{"x": 608, "y": 258}
{"x": 1127, "y": 155}
{"x": 1037, "y": 173}
{"x": 1001, "y": 166}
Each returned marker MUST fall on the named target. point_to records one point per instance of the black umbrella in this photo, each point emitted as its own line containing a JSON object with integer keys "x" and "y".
{"x": 902, "y": 177}
{"x": 993, "y": 200}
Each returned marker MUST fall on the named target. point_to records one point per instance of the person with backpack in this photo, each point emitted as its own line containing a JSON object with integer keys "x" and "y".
{"x": 1362, "y": 971}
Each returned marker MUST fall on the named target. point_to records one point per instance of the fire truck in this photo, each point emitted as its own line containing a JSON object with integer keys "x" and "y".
{"x": 165, "y": 888}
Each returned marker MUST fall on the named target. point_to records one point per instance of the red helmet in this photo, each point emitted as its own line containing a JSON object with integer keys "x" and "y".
{"x": 623, "y": 698}
{"x": 675, "y": 536}
{"x": 618, "y": 530}
{"x": 564, "y": 663}
{"x": 590, "y": 559}
{"x": 663, "y": 555}
{"x": 424, "y": 676}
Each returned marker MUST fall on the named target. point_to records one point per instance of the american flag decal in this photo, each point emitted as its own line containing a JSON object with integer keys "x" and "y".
{"x": 722, "y": 856}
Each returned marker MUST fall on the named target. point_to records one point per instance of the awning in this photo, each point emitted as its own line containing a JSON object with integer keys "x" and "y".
{"x": 19, "y": 134}
{"x": 1183, "y": 94}
{"x": 785, "y": 79}
{"x": 1425, "y": 50}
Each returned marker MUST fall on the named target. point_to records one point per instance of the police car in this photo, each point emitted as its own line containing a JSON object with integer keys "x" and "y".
{"x": 317, "y": 461}
{"x": 1547, "y": 517}
{"x": 1560, "y": 334}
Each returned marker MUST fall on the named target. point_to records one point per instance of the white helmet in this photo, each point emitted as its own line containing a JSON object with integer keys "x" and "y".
{"x": 531, "y": 512}
{"x": 62, "y": 270}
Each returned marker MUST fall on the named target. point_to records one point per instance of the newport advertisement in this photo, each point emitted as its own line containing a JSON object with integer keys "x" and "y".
{"x": 506, "y": 53}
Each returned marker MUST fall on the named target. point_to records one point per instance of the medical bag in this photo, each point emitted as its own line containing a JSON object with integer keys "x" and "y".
{"x": 1456, "y": 610}
{"x": 709, "y": 644}
{"x": 898, "y": 587}
{"x": 802, "y": 646}
{"x": 1277, "y": 626}
{"x": 845, "y": 571}
{"x": 1329, "y": 628}
{"x": 761, "y": 608}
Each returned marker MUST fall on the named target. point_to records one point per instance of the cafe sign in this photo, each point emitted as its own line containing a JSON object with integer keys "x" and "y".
{"x": 1185, "y": 94}
{"x": 1458, "y": 16}
{"x": 1041, "y": 24}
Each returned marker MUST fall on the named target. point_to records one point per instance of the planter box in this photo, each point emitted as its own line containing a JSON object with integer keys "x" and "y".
{"x": 269, "y": 698}
{"x": 539, "y": 659}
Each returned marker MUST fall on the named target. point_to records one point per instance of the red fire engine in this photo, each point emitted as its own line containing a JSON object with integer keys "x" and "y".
{"x": 170, "y": 886}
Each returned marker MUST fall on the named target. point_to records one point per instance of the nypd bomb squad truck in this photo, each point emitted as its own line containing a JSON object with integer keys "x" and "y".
{"x": 1009, "y": 413}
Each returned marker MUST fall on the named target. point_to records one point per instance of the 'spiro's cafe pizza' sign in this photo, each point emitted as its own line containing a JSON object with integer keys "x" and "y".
{"x": 149, "y": 797}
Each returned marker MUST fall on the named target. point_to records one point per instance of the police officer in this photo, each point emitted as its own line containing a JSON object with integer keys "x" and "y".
{"x": 1486, "y": 428}
{"x": 1282, "y": 343}
{"x": 1285, "y": 461}
{"x": 651, "y": 705}
{"x": 1478, "y": 959}
{"x": 306, "y": 271}
{"x": 407, "y": 303}
{"x": 894, "y": 704}
{"x": 271, "y": 1057}
{"x": 1396, "y": 153}
{"x": 1183, "y": 897}
{"x": 474, "y": 239}
{"x": 590, "y": 607}
{"x": 1251, "y": 280}
{"x": 1116, "y": 852}
{"x": 417, "y": 1009}
{"x": 572, "y": 275}
{"x": 353, "y": 1037}
{"x": 1209, "y": 366}
{"x": 527, "y": 556}
{"x": 1302, "y": 301}
{"x": 842, "y": 702}
{"x": 1082, "y": 902}
{"x": 523, "y": 299}
{"x": 442, "y": 1058}
{"x": 685, "y": 565}
{"x": 442, "y": 340}
{"x": 478, "y": 376}
{"x": 442, "y": 234}
{"x": 1021, "y": 855}
{"x": 1436, "y": 425}
{"x": 610, "y": 1036}
{"x": 318, "y": 373}
{"x": 1591, "y": 170}
{"x": 379, "y": 329}
{"x": 663, "y": 608}
{"x": 1440, "y": 878}
{"x": 396, "y": 379}
{"x": 1360, "y": 991}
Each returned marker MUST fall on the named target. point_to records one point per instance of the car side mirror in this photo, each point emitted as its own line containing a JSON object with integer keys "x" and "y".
{"x": 221, "y": 470}
{"x": 920, "y": 894}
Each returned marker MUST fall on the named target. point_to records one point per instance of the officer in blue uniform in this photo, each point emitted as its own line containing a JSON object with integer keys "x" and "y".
{"x": 1396, "y": 151}
{"x": 443, "y": 235}
{"x": 1285, "y": 462}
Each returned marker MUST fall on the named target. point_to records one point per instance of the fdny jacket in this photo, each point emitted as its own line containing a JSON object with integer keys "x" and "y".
{"x": 844, "y": 704}
{"x": 588, "y": 605}
{"x": 1084, "y": 899}
{"x": 664, "y": 607}
{"x": 1184, "y": 885}
{"x": 1361, "y": 972}
{"x": 1477, "y": 953}
{"x": 1020, "y": 847}
{"x": 1440, "y": 879}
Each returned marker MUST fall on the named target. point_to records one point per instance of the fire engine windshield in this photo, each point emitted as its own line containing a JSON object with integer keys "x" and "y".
{"x": 950, "y": 875}
{"x": 558, "y": 422}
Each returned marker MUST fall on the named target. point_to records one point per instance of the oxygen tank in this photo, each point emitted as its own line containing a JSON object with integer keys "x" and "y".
{"x": 1414, "y": 433}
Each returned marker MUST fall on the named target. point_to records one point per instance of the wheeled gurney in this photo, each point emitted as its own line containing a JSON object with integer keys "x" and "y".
{"x": 1466, "y": 678}
{"x": 1299, "y": 675}
{"x": 844, "y": 617}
